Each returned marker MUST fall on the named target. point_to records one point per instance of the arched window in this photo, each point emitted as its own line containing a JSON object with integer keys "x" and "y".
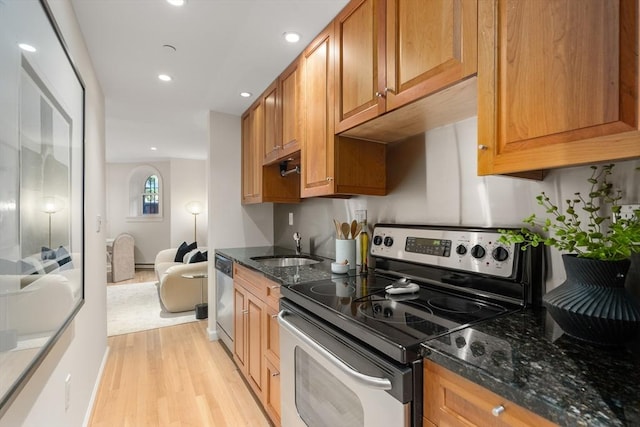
{"x": 151, "y": 196}
{"x": 145, "y": 194}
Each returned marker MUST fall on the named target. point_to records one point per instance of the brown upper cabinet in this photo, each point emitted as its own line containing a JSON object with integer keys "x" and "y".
{"x": 391, "y": 53}
{"x": 557, "y": 83}
{"x": 263, "y": 183}
{"x": 282, "y": 116}
{"x": 290, "y": 106}
{"x": 272, "y": 123}
{"x": 332, "y": 165}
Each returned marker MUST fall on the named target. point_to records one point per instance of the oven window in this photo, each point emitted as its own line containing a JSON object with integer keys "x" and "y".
{"x": 321, "y": 399}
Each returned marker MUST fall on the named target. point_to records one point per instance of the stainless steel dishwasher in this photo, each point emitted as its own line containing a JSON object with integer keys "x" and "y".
{"x": 224, "y": 296}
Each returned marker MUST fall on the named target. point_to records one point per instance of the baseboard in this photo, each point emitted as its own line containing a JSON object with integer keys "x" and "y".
{"x": 213, "y": 334}
{"x": 96, "y": 387}
{"x": 144, "y": 266}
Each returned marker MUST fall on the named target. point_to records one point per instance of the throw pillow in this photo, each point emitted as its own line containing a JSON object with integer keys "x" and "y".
{"x": 62, "y": 256}
{"x": 197, "y": 257}
{"x": 183, "y": 249}
{"x": 47, "y": 253}
{"x": 206, "y": 255}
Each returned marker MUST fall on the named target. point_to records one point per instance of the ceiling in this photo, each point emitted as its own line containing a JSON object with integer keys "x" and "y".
{"x": 223, "y": 47}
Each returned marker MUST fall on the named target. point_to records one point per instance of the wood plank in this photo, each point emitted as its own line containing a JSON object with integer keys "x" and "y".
{"x": 173, "y": 376}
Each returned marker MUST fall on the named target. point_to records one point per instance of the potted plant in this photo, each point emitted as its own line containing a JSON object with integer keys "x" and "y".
{"x": 592, "y": 304}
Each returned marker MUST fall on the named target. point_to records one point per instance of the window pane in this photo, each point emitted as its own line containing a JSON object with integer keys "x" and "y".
{"x": 150, "y": 197}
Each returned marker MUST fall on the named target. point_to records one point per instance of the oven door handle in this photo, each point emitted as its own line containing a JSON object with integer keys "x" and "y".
{"x": 366, "y": 380}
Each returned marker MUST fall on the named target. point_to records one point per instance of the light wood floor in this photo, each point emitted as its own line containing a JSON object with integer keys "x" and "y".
{"x": 146, "y": 275}
{"x": 173, "y": 376}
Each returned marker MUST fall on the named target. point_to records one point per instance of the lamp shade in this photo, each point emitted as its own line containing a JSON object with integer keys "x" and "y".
{"x": 194, "y": 207}
{"x": 50, "y": 205}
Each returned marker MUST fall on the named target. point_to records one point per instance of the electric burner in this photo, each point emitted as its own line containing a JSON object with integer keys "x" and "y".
{"x": 342, "y": 289}
{"x": 453, "y": 305}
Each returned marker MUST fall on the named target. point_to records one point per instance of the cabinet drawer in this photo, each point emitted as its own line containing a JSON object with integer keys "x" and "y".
{"x": 250, "y": 280}
{"x": 273, "y": 294}
{"x": 452, "y": 400}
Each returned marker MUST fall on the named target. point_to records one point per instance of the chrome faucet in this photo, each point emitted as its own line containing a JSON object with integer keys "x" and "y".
{"x": 297, "y": 238}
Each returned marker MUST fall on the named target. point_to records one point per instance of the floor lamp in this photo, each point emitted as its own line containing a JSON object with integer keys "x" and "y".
{"x": 194, "y": 208}
{"x": 50, "y": 206}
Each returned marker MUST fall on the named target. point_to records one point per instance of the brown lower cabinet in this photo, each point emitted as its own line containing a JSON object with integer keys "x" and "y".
{"x": 256, "y": 336}
{"x": 450, "y": 400}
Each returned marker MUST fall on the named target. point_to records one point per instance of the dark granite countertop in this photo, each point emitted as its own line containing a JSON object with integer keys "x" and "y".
{"x": 283, "y": 275}
{"x": 535, "y": 366}
{"x": 558, "y": 377}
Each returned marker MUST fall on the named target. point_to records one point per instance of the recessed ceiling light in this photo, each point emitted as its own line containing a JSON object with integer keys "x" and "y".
{"x": 176, "y": 2}
{"x": 26, "y": 47}
{"x": 292, "y": 37}
{"x": 153, "y": 148}
{"x": 245, "y": 94}
{"x": 164, "y": 77}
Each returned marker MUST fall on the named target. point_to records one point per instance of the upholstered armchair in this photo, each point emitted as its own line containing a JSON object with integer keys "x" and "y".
{"x": 122, "y": 261}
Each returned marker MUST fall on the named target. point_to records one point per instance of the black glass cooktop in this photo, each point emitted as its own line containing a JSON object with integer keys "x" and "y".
{"x": 395, "y": 324}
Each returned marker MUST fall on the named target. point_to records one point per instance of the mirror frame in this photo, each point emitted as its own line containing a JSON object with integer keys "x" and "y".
{"x": 53, "y": 67}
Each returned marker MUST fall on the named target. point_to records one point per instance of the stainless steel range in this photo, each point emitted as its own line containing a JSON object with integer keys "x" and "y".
{"x": 350, "y": 347}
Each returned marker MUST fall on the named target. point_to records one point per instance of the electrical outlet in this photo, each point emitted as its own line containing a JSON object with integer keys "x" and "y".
{"x": 628, "y": 211}
{"x": 290, "y": 218}
{"x": 67, "y": 392}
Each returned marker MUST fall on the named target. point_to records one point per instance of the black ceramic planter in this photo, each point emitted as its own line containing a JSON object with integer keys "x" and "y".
{"x": 593, "y": 304}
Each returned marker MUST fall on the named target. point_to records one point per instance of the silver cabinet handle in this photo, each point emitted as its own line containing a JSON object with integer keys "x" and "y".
{"x": 275, "y": 374}
{"x": 497, "y": 410}
{"x": 274, "y": 287}
{"x": 482, "y": 147}
{"x": 329, "y": 178}
{"x": 245, "y": 311}
{"x": 366, "y": 380}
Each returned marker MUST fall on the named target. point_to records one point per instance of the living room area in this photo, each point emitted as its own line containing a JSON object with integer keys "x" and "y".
{"x": 151, "y": 209}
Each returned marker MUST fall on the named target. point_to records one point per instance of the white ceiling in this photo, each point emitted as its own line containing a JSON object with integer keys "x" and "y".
{"x": 223, "y": 47}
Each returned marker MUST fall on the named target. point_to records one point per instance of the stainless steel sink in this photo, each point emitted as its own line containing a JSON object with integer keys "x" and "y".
{"x": 286, "y": 260}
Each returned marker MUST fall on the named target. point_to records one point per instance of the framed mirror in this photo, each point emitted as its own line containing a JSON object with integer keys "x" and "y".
{"x": 41, "y": 190}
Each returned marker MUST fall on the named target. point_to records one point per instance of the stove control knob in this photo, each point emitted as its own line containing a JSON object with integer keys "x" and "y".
{"x": 377, "y": 240}
{"x": 477, "y": 349}
{"x": 500, "y": 254}
{"x": 461, "y": 249}
{"x": 460, "y": 342}
{"x": 478, "y": 252}
{"x": 388, "y": 241}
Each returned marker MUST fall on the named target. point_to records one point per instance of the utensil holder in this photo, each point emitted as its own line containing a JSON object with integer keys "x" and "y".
{"x": 346, "y": 249}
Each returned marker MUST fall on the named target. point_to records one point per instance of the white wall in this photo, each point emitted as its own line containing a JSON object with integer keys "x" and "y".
{"x": 81, "y": 349}
{"x": 182, "y": 181}
{"x": 231, "y": 224}
{"x": 151, "y": 236}
{"x": 432, "y": 179}
{"x": 188, "y": 183}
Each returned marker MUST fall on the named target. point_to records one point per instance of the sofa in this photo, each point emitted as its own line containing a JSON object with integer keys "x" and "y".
{"x": 38, "y": 292}
{"x": 178, "y": 293}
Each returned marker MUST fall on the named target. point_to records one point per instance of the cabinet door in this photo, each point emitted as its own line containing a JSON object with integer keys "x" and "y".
{"x": 318, "y": 130}
{"x": 359, "y": 63}
{"x": 430, "y": 45}
{"x": 239, "y": 325}
{"x": 290, "y": 108}
{"x": 557, "y": 83}
{"x": 455, "y": 401}
{"x": 272, "y": 334}
{"x": 252, "y": 143}
{"x": 271, "y": 142}
{"x": 255, "y": 312}
{"x": 272, "y": 391}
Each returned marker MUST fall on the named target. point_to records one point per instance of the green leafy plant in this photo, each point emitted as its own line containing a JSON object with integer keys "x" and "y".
{"x": 604, "y": 235}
